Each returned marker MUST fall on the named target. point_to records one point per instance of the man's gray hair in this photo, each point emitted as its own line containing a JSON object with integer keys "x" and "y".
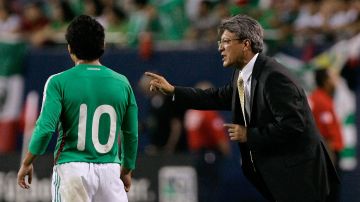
{"x": 245, "y": 27}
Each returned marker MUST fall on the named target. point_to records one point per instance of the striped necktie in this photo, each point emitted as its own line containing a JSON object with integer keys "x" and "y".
{"x": 241, "y": 91}
{"x": 240, "y": 85}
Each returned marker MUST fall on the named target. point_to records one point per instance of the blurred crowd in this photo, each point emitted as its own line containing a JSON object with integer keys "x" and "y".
{"x": 301, "y": 28}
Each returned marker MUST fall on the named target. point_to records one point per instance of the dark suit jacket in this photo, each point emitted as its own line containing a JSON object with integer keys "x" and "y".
{"x": 289, "y": 158}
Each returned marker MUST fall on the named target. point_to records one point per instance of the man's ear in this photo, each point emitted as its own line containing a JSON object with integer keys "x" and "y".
{"x": 104, "y": 46}
{"x": 69, "y": 49}
{"x": 247, "y": 44}
{"x": 72, "y": 55}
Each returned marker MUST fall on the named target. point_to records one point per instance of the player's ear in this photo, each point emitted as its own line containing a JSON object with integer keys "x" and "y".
{"x": 69, "y": 48}
{"x": 72, "y": 55}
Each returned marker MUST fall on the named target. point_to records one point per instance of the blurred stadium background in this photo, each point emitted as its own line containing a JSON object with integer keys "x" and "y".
{"x": 176, "y": 38}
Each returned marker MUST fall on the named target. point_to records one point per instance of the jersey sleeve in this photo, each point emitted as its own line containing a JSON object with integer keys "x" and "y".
{"x": 129, "y": 140}
{"x": 48, "y": 120}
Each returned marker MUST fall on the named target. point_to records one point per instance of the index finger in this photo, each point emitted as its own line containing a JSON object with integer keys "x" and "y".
{"x": 229, "y": 125}
{"x": 22, "y": 183}
{"x": 29, "y": 178}
{"x": 156, "y": 76}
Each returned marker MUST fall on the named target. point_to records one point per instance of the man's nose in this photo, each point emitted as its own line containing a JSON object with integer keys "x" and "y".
{"x": 220, "y": 48}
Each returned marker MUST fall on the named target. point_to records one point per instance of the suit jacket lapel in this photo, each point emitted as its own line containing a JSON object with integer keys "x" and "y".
{"x": 254, "y": 79}
{"x": 235, "y": 78}
{"x": 253, "y": 86}
{"x": 237, "y": 113}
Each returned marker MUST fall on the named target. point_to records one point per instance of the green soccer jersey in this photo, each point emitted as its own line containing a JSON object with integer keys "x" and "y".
{"x": 90, "y": 106}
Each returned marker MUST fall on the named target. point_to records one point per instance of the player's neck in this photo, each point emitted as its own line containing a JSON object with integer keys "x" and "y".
{"x": 87, "y": 62}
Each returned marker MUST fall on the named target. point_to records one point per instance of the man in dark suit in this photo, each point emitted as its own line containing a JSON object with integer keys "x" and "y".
{"x": 281, "y": 149}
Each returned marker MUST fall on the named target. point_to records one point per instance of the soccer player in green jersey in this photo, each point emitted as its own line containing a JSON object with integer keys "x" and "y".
{"x": 90, "y": 106}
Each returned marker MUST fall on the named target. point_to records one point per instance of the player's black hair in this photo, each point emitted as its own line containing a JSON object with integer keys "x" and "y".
{"x": 86, "y": 38}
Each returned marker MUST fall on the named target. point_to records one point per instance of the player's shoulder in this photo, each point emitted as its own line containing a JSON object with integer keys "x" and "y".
{"x": 118, "y": 76}
{"x": 60, "y": 78}
{"x": 56, "y": 77}
{"x": 68, "y": 73}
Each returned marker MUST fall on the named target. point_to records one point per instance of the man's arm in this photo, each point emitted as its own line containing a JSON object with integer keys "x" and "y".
{"x": 129, "y": 141}
{"x": 208, "y": 99}
{"x": 160, "y": 84}
{"x": 48, "y": 120}
{"x": 125, "y": 176}
{"x": 129, "y": 138}
{"x": 194, "y": 98}
{"x": 26, "y": 169}
{"x": 45, "y": 127}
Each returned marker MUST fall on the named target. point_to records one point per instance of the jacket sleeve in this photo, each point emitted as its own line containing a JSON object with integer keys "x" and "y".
{"x": 209, "y": 99}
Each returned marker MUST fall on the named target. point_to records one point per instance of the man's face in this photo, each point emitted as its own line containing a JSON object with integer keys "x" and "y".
{"x": 231, "y": 50}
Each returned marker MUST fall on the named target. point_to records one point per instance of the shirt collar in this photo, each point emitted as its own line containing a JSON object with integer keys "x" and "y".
{"x": 247, "y": 70}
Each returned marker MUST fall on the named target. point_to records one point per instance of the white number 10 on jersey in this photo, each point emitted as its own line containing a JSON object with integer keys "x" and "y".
{"x": 99, "y": 111}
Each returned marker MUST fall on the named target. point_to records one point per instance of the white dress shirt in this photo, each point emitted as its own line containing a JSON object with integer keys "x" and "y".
{"x": 246, "y": 74}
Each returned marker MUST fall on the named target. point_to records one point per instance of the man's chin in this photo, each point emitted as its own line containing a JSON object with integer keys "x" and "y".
{"x": 225, "y": 64}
